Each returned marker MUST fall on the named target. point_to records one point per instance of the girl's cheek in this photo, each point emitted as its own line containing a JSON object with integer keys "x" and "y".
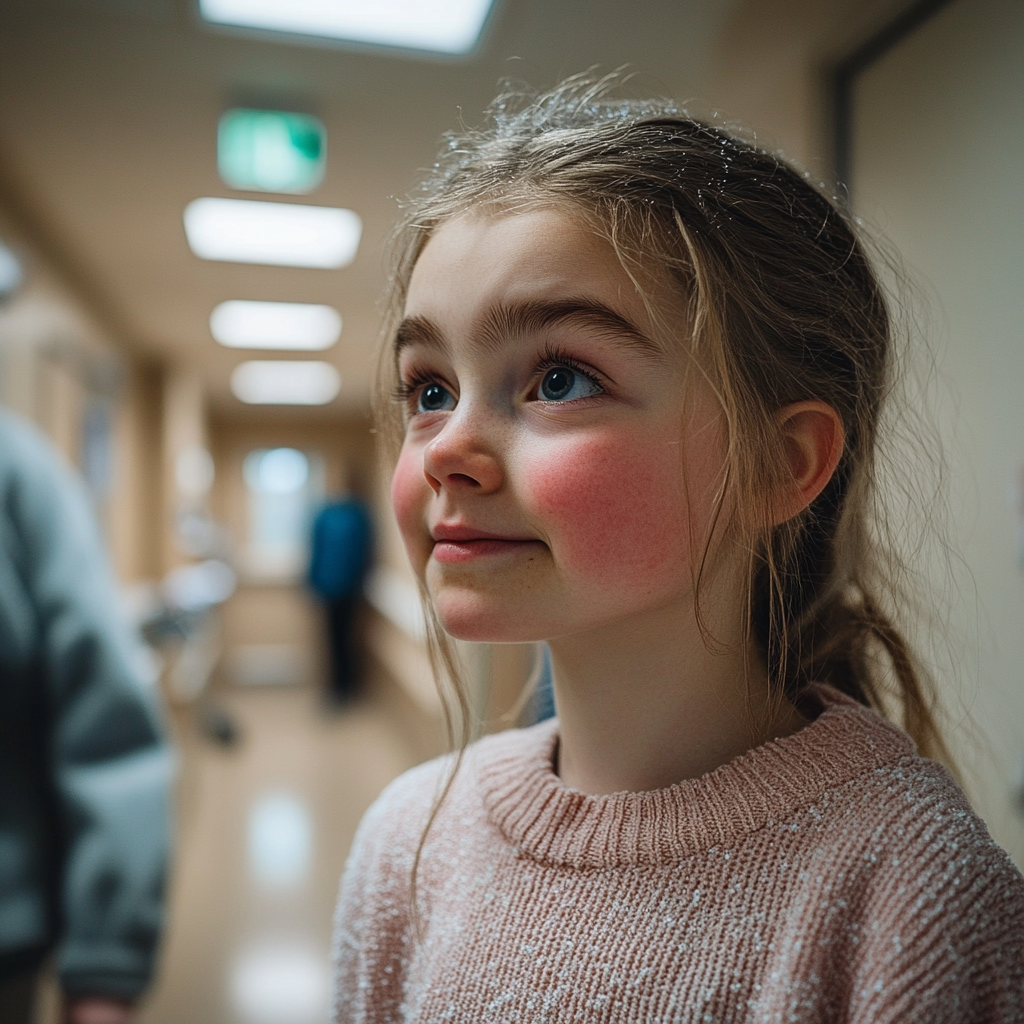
{"x": 410, "y": 493}
{"x": 613, "y": 506}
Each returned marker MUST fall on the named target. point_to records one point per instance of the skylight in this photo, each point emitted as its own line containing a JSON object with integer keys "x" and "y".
{"x": 281, "y": 234}
{"x": 281, "y": 382}
{"x": 444, "y": 26}
{"x": 294, "y": 326}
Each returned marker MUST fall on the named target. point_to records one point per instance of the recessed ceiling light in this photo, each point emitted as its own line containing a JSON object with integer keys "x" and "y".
{"x": 280, "y": 382}
{"x": 281, "y": 234}
{"x": 295, "y": 326}
{"x": 271, "y": 151}
{"x": 446, "y": 26}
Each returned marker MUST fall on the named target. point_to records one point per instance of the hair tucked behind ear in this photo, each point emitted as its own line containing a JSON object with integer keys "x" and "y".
{"x": 784, "y": 306}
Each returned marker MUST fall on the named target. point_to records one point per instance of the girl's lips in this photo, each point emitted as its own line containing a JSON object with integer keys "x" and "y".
{"x": 464, "y": 550}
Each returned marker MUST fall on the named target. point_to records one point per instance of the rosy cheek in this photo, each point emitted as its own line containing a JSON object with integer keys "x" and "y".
{"x": 613, "y": 506}
{"x": 410, "y": 494}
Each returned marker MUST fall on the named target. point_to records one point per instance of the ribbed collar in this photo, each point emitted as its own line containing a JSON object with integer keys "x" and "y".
{"x": 551, "y": 823}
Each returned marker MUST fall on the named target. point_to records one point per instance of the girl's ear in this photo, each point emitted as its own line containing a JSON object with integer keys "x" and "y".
{"x": 813, "y": 436}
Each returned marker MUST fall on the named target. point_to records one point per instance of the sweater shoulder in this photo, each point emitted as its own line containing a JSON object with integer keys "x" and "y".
{"x": 403, "y": 806}
{"x": 905, "y": 836}
{"x": 399, "y": 815}
{"x": 916, "y": 797}
{"x": 911, "y": 805}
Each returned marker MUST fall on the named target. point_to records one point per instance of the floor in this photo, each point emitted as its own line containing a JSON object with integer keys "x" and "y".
{"x": 263, "y": 830}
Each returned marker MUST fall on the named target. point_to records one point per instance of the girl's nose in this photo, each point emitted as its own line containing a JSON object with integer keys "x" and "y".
{"x": 459, "y": 458}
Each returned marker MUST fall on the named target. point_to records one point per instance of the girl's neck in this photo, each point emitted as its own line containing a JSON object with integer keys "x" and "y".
{"x": 644, "y": 703}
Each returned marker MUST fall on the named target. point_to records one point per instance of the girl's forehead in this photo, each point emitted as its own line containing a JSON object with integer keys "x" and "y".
{"x": 547, "y": 239}
{"x": 482, "y": 259}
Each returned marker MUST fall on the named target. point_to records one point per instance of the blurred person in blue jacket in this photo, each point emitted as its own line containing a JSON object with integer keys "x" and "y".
{"x": 84, "y": 769}
{"x": 340, "y": 557}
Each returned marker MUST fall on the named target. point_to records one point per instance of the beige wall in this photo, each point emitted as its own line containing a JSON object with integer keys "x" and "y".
{"x": 771, "y": 67}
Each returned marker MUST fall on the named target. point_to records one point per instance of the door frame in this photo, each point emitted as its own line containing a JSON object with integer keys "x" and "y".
{"x": 843, "y": 81}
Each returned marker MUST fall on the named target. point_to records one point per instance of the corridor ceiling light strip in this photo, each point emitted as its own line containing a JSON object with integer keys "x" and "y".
{"x": 280, "y": 382}
{"x": 280, "y": 234}
{"x": 289, "y": 326}
{"x": 444, "y": 26}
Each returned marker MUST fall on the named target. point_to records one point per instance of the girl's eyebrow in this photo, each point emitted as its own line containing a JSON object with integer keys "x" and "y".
{"x": 508, "y": 321}
{"x": 418, "y": 330}
{"x": 524, "y": 318}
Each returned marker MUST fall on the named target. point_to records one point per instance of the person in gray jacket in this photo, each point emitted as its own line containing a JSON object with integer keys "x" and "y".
{"x": 84, "y": 769}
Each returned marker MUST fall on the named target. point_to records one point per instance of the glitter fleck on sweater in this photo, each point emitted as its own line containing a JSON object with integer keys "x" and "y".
{"x": 832, "y": 875}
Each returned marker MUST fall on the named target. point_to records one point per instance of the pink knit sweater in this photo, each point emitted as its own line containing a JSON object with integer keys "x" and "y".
{"x": 830, "y": 876}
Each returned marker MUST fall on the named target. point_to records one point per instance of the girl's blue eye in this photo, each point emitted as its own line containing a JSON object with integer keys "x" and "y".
{"x": 562, "y": 384}
{"x": 435, "y": 398}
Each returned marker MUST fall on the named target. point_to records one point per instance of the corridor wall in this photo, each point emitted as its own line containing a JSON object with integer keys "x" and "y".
{"x": 95, "y": 398}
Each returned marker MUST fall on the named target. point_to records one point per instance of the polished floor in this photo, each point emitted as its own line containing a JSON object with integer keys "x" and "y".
{"x": 263, "y": 830}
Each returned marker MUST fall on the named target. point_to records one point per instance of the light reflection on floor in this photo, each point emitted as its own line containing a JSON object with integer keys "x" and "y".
{"x": 280, "y": 840}
{"x": 280, "y": 981}
{"x": 263, "y": 833}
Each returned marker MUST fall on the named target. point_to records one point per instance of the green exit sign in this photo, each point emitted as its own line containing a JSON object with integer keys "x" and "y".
{"x": 271, "y": 151}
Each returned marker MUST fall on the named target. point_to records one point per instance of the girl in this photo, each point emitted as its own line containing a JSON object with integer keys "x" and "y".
{"x": 637, "y": 369}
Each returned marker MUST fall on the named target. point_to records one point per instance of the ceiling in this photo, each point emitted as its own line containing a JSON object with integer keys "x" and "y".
{"x": 108, "y": 116}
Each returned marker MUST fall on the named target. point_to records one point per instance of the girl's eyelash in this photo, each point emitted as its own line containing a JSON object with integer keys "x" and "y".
{"x": 409, "y": 385}
{"x": 553, "y": 356}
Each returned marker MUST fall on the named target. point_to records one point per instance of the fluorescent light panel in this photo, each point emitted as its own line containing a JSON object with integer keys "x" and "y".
{"x": 280, "y": 234}
{"x": 445, "y": 26}
{"x": 289, "y": 326}
{"x": 282, "y": 382}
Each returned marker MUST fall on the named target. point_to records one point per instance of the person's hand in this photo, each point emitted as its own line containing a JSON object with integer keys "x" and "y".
{"x": 98, "y": 1010}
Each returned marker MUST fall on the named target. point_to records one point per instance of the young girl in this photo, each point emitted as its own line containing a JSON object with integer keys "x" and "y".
{"x": 637, "y": 367}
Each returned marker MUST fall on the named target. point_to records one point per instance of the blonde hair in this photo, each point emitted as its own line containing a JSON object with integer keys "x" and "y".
{"x": 784, "y": 306}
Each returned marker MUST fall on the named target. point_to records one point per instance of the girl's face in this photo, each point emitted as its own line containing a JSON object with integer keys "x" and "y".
{"x": 540, "y": 488}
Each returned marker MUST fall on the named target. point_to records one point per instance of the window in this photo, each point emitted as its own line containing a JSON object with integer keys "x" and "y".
{"x": 284, "y": 488}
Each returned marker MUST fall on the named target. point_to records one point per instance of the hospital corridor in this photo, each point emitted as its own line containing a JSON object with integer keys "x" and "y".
{"x": 214, "y": 649}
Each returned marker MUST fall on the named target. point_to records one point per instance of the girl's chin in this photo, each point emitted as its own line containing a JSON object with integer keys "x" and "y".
{"x": 484, "y": 631}
{"x": 475, "y": 624}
